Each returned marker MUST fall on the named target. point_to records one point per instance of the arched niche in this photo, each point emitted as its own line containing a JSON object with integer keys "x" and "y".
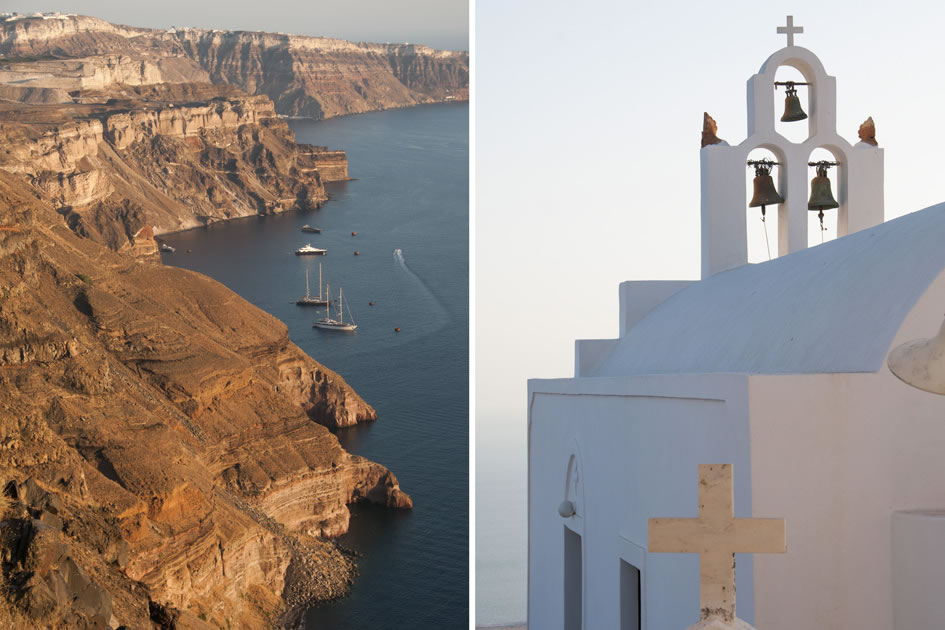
{"x": 798, "y": 131}
{"x": 574, "y": 492}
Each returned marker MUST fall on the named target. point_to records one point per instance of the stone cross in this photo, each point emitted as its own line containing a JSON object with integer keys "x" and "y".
{"x": 789, "y": 30}
{"x": 716, "y": 536}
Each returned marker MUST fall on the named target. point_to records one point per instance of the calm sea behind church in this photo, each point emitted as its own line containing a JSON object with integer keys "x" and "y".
{"x": 411, "y": 195}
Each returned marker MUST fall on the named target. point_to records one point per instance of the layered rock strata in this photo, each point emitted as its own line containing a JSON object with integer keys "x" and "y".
{"x": 316, "y": 77}
{"x": 163, "y": 437}
{"x": 165, "y": 159}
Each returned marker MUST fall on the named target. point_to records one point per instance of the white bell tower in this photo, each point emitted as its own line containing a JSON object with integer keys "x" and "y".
{"x": 858, "y": 177}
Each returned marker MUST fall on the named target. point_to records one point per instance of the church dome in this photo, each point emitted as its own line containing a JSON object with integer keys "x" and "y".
{"x": 832, "y": 308}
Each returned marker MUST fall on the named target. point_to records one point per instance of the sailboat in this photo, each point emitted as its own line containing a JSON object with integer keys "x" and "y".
{"x": 309, "y": 299}
{"x": 328, "y": 323}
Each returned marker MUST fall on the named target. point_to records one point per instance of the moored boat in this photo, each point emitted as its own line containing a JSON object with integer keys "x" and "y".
{"x": 311, "y": 228}
{"x": 308, "y": 250}
{"x": 309, "y": 299}
{"x": 327, "y": 323}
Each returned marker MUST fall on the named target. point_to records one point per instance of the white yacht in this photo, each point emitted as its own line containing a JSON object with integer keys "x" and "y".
{"x": 308, "y": 250}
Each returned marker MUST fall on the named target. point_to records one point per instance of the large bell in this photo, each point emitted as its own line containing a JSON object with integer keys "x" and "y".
{"x": 765, "y": 192}
{"x": 821, "y": 197}
{"x": 792, "y": 106}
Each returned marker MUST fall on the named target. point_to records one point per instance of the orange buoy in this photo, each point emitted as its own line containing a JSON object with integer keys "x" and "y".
{"x": 189, "y": 251}
{"x": 357, "y": 253}
{"x": 397, "y": 330}
{"x": 370, "y": 303}
{"x": 354, "y": 234}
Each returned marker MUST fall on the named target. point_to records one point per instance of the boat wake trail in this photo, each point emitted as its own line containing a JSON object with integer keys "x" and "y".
{"x": 401, "y": 261}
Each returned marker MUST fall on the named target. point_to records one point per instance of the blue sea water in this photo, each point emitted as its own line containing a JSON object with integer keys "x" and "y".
{"x": 411, "y": 195}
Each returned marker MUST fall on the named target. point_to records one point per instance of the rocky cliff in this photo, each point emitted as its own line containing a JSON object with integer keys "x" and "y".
{"x": 164, "y": 456}
{"x": 316, "y": 77}
{"x": 164, "y": 157}
{"x": 163, "y": 440}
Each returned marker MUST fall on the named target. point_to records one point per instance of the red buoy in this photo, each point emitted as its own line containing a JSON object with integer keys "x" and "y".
{"x": 357, "y": 253}
{"x": 370, "y": 303}
{"x": 397, "y": 330}
{"x": 354, "y": 234}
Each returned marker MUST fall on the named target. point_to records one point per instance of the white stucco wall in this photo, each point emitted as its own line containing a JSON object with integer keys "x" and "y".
{"x": 639, "y": 441}
{"x": 836, "y": 455}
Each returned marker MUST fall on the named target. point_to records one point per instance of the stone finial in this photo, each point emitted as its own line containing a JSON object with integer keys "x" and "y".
{"x": 709, "y": 129}
{"x": 867, "y": 131}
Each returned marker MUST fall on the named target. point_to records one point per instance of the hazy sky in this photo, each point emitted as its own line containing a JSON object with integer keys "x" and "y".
{"x": 437, "y": 23}
{"x": 588, "y": 122}
{"x": 587, "y": 151}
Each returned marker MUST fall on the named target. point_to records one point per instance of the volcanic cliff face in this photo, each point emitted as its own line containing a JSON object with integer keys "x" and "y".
{"x": 161, "y": 436}
{"x": 316, "y": 77}
{"x": 164, "y": 158}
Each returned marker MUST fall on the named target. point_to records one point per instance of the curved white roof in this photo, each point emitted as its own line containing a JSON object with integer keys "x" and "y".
{"x": 831, "y": 308}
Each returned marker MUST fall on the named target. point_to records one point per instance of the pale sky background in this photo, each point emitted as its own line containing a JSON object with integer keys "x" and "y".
{"x": 588, "y": 122}
{"x": 437, "y": 23}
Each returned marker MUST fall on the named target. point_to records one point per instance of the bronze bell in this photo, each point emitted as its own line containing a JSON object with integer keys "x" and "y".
{"x": 821, "y": 197}
{"x": 792, "y": 106}
{"x": 765, "y": 193}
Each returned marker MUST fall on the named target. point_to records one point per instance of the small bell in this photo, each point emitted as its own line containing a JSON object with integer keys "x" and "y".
{"x": 821, "y": 197}
{"x": 765, "y": 193}
{"x": 792, "y": 105}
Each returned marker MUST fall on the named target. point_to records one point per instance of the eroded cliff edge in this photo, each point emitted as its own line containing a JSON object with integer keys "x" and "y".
{"x": 58, "y": 56}
{"x": 163, "y": 158}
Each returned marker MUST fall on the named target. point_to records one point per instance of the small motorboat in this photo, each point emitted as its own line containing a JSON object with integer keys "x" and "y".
{"x": 311, "y": 228}
{"x": 167, "y": 248}
{"x": 308, "y": 250}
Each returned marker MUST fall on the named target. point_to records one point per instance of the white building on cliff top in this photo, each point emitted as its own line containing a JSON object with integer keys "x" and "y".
{"x": 778, "y": 368}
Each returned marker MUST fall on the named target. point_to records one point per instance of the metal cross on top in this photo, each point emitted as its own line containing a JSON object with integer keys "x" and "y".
{"x": 790, "y": 30}
{"x": 716, "y": 536}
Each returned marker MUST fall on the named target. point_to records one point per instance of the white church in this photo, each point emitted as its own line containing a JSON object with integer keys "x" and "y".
{"x": 779, "y": 372}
